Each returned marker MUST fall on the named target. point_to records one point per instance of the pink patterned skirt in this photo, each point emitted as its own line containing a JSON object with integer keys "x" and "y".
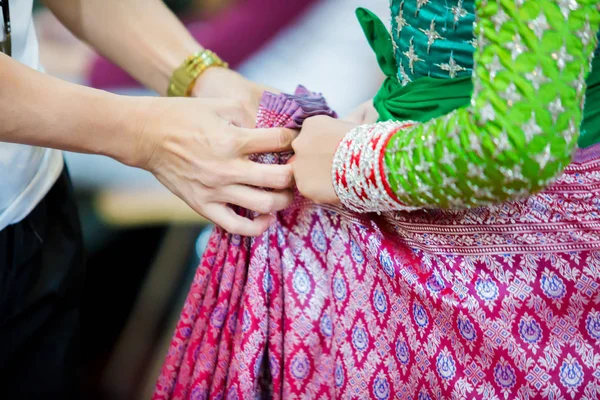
{"x": 500, "y": 302}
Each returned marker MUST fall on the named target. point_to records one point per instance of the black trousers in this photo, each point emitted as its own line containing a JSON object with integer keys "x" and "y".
{"x": 41, "y": 281}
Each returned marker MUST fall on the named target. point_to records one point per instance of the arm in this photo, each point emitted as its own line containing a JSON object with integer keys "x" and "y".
{"x": 234, "y": 34}
{"x": 192, "y": 146}
{"x": 40, "y": 110}
{"x": 518, "y": 134}
{"x": 142, "y": 36}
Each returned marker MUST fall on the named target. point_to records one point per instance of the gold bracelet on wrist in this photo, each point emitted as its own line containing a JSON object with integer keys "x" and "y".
{"x": 185, "y": 76}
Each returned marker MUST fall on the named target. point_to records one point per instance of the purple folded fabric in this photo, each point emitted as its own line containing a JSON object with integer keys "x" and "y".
{"x": 289, "y": 111}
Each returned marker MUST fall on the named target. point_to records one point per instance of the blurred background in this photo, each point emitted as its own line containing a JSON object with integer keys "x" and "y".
{"x": 144, "y": 243}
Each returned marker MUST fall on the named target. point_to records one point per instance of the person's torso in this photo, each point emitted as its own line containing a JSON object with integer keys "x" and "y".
{"x": 26, "y": 172}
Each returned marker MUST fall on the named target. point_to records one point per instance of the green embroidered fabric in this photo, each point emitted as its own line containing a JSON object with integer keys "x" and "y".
{"x": 522, "y": 123}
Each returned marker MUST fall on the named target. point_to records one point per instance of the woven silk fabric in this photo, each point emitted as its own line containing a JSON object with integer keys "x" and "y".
{"x": 500, "y": 302}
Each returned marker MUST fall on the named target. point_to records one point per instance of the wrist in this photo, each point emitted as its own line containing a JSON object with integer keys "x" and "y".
{"x": 139, "y": 132}
{"x": 185, "y": 76}
{"x": 211, "y": 82}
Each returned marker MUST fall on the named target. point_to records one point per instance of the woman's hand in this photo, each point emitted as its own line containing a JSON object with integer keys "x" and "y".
{"x": 314, "y": 149}
{"x": 363, "y": 114}
{"x": 198, "y": 149}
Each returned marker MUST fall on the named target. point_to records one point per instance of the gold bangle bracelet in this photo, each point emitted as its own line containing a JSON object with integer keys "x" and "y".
{"x": 184, "y": 77}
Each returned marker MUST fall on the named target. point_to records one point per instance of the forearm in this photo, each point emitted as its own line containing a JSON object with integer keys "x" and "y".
{"x": 39, "y": 110}
{"x": 142, "y": 36}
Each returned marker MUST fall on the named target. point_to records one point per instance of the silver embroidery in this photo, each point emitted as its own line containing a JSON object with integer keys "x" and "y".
{"x": 566, "y": 6}
{"x": 516, "y": 47}
{"x": 579, "y": 83}
{"x": 531, "y": 128}
{"x": 452, "y": 67}
{"x": 475, "y": 144}
{"x": 448, "y": 157}
{"x": 475, "y": 171}
{"x": 544, "y": 157}
{"x": 404, "y": 78}
{"x": 537, "y": 77}
{"x": 556, "y": 108}
{"x": 539, "y": 25}
{"x": 472, "y": 42}
{"x": 570, "y": 133}
{"x": 394, "y": 44}
{"x": 367, "y": 142}
{"x": 501, "y": 142}
{"x": 499, "y": 19}
{"x": 412, "y": 56}
{"x": 562, "y": 57}
{"x": 512, "y": 175}
{"x": 487, "y": 114}
{"x": 420, "y": 4}
{"x": 585, "y": 35}
{"x": 432, "y": 35}
{"x": 511, "y": 95}
{"x": 495, "y": 67}
{"x": 459, "y": 12}
{"x": 400, "y": 20}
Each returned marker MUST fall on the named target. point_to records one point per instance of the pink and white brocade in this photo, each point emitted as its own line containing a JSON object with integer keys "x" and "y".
{"x": 499, "y": 302}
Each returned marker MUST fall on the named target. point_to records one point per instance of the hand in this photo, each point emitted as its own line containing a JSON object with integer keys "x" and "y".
{"x": 196, "y": 148}
{"x": 363, "y": 114}
{"x": 314, "y": 150}
{"x": 218, "y": 82}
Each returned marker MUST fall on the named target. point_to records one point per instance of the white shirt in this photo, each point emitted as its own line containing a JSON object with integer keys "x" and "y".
{"x": 26, "y": 173}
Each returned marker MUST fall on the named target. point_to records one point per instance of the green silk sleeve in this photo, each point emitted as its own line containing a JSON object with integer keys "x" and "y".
{"x": 518, "y": 133}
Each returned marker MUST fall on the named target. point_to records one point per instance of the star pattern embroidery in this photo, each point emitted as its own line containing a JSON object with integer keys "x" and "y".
{"x": 501, "y": 142}
{"x": 420, "y": 4}
{"x": 585, "y": 35}
{"x": 562, "y": 57}
{"x": 566, "y": 6}
{"x": 451, "y": 67}
{"x": 432, "y": 34}
{"x": 511, "y": 95}
{"x": 539, "y": 25}
{"x": 495, "y": 67}
{"x": 412, "y": 56}
{"x": 544, "y": 157}
{"x": 556, "y": 108}
{"x": 537, "y": 77}
{"x": 404, "y": 78}
{"x": 531, "y": 128}
{"x": 516, "y": 47}
{"x": 458, "y": 12}
{"x": 400, "y": 20}
{"x": 499, "y": 19}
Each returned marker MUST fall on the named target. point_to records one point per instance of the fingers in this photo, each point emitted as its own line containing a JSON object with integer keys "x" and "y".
{"x": 266, "y": 140}
{"x": 227, "y": 219}
{"x": 272, "y": 176}
{"x": 258, "y": 200}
